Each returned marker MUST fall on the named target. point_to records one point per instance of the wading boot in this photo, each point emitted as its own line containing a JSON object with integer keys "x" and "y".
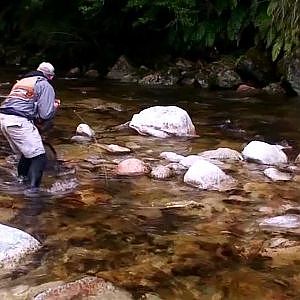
{"x": 23, "y": 168}
{"x": 35, "y": 174}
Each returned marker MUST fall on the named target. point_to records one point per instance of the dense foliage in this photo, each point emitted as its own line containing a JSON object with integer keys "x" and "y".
{"x": 73, "y": 32}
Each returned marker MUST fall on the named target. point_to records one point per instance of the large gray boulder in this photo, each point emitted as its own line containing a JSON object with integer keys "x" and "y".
{"x": 14, "y": 246}
{"x": 163, "y": 122}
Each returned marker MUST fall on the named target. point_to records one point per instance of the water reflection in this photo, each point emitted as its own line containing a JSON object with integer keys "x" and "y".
{"x": 126, "y": 231}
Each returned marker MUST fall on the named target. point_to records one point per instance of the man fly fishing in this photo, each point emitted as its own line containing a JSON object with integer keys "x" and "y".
{"x": 30, "y": 103}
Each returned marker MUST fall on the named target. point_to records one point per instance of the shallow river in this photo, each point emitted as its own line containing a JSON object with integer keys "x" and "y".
{"x": 141, "y": 234}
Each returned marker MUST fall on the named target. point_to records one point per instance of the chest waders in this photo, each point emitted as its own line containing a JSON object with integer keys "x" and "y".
{"x": 30, "y": 170}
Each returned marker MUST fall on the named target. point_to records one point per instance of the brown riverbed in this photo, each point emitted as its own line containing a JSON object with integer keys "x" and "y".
{"x": 139, "y": 233}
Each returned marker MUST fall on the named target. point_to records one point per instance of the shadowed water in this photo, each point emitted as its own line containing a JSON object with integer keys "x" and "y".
{"x": 140, "y": 233}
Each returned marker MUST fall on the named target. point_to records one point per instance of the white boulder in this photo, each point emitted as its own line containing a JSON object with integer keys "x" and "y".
{"x": 205, "y": 175}
{"x": 14, "y": 246}
{"x": 264, "y": 153}
{"x": 163, "y": 121}
{"x": 85, "y": 130}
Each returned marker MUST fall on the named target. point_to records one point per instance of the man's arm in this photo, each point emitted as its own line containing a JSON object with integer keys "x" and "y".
{"x": 46, "y": 100}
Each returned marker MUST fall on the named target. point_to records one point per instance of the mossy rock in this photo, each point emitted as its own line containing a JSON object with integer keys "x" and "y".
{"x": 256, "y": 65}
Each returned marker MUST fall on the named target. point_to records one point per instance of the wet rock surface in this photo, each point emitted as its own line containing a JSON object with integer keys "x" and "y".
{"x": 14, "y": 246}
{"x": 221, "y": 154}
{"x": 163, "y": 121}
{"x": 161, "y": 172}
{"x": 132, "y": 167}
{"x": 264, "y": 153}
{"x": 288, "y": 221}
{"x": 276, "y": 175}
{"x": 206, "y": 175}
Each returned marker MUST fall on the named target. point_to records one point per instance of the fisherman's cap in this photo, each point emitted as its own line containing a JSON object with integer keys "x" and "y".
{"x": 46, "y": 68}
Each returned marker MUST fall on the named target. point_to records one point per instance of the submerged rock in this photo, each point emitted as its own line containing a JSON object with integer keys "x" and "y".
{"x": 62, "y": 187}
{"x": 14, "y": 246}
{"x": 205, "y": 175}
{"x": 247, "y": 90}
{"x": 282, "y": 256}
{"x": 115, "y": 148}
{"x": 182, "y": 204}
{"x": 80, "y": 139}
{"x": 264, "y": 153}
{"x": 276, "y": 175}
{"x": 132, "y": 167}
{"x": 84, "y": 289}
{"x": 163, "y": 122}
{"x": 282, "y": 222}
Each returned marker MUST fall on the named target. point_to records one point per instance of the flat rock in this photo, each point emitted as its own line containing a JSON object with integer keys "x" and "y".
{"x": 276, "y": 175}
{"x": 289, "y": 221}
{"x": 115, "y": 148}
{"x": 221, "y": 154}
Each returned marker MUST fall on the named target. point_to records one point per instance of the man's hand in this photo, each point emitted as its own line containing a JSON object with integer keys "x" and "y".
{"x": 57, "y": 103}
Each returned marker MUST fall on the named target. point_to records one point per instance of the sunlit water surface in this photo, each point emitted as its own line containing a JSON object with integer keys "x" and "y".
{"x": 125, "y": 229}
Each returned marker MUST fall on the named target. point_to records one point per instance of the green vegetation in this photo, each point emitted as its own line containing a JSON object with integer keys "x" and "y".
{"x": 284, "y": 32}
{"x": 73, "y": 32}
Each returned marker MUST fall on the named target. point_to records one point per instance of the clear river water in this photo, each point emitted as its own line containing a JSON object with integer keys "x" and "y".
{"x": 147, "y": 235}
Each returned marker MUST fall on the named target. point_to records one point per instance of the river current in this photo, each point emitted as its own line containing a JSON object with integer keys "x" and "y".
{"x": 140, "y": 233}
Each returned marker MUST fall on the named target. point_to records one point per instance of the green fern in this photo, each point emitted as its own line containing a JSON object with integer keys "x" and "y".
{"x": 235, "y": 23}
{"x": 286, "y": 24}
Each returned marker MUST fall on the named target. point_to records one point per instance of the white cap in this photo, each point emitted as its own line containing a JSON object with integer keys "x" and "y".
{"x": 46, "y": 68}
